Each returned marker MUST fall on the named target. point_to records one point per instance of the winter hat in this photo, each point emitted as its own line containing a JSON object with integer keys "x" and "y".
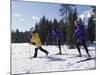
{"x": 33, "y": 30}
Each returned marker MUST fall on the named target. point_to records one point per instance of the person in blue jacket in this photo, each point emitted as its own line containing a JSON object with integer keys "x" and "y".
{"x": 57, "y": 35}
{"x": 79, "y": 35}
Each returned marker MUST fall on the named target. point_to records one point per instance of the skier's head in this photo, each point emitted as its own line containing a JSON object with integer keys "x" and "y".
{"x": 33, "y": 32}
{"x": 80, "y": 21}
{"x": 53, "y": 31}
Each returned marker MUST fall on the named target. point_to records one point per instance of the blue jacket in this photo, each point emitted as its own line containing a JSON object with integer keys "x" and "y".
{"x": 80, "y": 33}
{"x": 57, "y": 35}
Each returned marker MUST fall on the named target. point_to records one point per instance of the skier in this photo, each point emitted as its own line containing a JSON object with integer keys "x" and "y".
{"x": 79, "y": 35}
{"x": 35, "y": 40}
{"x": 57, "y": 35}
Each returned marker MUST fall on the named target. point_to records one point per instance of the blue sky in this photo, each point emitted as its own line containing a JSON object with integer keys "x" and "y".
{"x": 26, "y": 14}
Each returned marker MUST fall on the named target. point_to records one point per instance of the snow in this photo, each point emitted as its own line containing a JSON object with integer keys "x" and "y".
{"x": 21, "y": 62}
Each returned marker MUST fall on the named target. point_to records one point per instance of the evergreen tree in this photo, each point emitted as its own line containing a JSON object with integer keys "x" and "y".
{"x": 17, "y": 36}
{"x": 55, "y": 24}
{"x": 48, "y": 31}
{"x": 94, "y": 10}
{"x": 71, "y": 26}
{"x": 91, "y": 30}
{"x": 64, "y": 10}
{"x": 71, "y": 16}
{"x": 36, "y": 27}
{"x": 20, "y": 37}
{"x": 42, "y": 29}
{"x": 13, "y": 36}
{"x": 62, "y": 27}
{"x": 70, "y": 29}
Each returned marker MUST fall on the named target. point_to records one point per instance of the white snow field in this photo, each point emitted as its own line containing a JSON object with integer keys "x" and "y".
{"x": 23, "y": 64}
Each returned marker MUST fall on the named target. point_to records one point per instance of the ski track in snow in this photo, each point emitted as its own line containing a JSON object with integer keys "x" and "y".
{"x": 21, "y": 62}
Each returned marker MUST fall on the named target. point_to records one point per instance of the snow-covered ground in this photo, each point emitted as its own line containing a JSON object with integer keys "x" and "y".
{"x": 21, "y": 62}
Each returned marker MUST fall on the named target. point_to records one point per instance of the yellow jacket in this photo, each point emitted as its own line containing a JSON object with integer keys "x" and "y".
{"x": 36, "y": 40}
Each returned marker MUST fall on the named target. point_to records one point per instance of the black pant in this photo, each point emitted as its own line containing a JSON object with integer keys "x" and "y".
{"x": 59, "y": 46}
{"x": 36, "y": 51}
{"x": 84, "y": 45}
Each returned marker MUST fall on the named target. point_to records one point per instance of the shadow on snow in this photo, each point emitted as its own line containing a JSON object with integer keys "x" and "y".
{"x": 54, "y": 59}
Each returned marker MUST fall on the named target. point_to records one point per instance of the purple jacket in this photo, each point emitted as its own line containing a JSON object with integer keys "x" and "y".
{"x": 80, "y": 33}
{"x": 56, "y": 35}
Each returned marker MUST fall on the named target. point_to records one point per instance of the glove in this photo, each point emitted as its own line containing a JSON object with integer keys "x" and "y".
{"x": 33, "y": 43}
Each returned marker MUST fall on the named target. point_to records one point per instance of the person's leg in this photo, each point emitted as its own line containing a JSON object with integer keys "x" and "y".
{"x": 43, "y": 50}
{"x": 78, "y": 48}
{"x": 35, "y": 54}
{"x": 86, "y": 49}
{"x": 59, "y": 46}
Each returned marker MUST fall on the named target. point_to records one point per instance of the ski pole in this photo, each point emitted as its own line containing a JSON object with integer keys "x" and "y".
{"x": 29, "y": 50}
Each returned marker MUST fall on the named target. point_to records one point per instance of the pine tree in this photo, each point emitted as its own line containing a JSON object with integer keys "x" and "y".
{"x": 44, "y": 28}
{"x": 64, "y": 10}
{"x": 91, "y": 30}
{"x": 62, "y": 27}
{"x": 71, "y": 16}
{"x": 55, "y": 24}
{"x": 12, "y": 36}
{"x": 71, "y": 27}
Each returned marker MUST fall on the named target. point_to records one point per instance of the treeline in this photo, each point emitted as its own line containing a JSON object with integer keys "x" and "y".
{"x": 20, "y": 37}
{"x": 91, "y": 27}
{"x": 66, "y": 25}
{"x": 44, "y": 28}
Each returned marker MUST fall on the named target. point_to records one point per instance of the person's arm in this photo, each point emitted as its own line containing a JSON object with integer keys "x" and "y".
{"x": 32, "y": 40}
{"x": 81, "y": 33}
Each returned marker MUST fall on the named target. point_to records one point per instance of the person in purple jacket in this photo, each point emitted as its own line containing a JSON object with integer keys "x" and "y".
{"x": 57, "y": 35}
{"x": 79, "y": 35}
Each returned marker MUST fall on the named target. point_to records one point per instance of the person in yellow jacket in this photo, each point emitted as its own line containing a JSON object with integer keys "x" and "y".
{"x": 35, "y": 40}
